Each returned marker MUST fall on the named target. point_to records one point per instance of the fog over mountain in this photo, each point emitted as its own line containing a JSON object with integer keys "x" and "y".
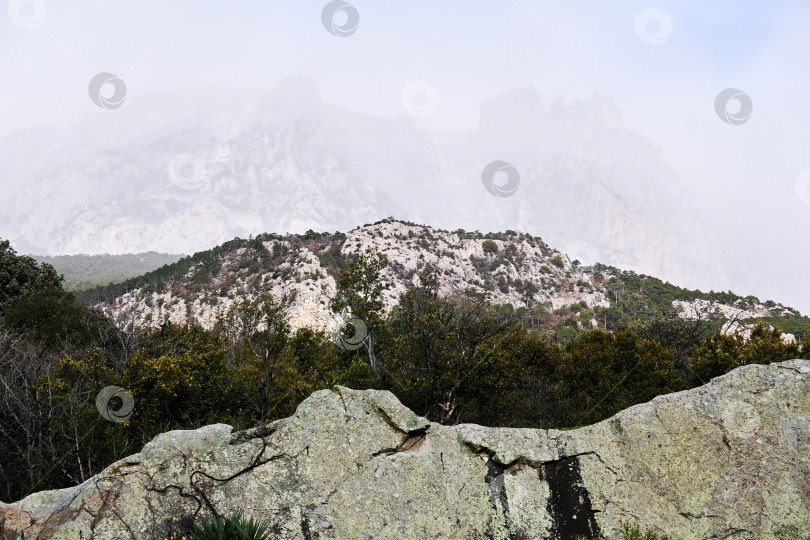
{"x": 261, "y": 117}
{"x": 188, "y": 170}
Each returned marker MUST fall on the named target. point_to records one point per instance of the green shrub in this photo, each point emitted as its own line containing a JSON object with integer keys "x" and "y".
{"x": 489, "y": 246}
{"x": 237, "y": 527}
{"x": 721, "y": 353}
{"x": 634, "y": 532}
{"x": 558, "y": 262}
{"x": 602, "y": 374}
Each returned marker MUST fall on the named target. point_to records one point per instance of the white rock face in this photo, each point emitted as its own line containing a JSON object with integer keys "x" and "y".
{"x": 701, "y": 308}
{"x": 306, "y": 300}
{"x": 735, "y": 328}
{"x": 451, "y": 255}
{"x": 733, "y": 313}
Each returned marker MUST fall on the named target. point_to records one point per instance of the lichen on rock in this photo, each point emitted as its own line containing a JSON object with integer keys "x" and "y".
{"x": 728, "y": 459}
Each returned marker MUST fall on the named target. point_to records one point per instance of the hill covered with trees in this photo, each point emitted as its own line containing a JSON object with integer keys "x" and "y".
{"x": 83, "y": 272}
{"x": 554, "y": 295}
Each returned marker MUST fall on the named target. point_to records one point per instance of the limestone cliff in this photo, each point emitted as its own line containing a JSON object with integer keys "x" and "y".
{"x": 730, "y": 459}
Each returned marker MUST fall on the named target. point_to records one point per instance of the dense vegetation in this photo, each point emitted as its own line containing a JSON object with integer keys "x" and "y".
{"x": 83, "y": 272}
{"x": 444, "y": 357}
{"x": 21, "y": 276}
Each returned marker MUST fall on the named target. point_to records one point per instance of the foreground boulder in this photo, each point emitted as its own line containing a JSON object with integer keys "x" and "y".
{"x": 730, "y": 459}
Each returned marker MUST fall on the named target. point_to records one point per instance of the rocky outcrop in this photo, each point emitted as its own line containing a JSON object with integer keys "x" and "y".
{"x": 742, "y": 309}
{"x": 522, "y": 270}
{"x": 730, "y": 459}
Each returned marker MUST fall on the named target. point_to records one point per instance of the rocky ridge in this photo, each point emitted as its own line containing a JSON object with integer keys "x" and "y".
{"x": 730, "y": 459}
{"x": 299, "y": 272}
{"x": 521, "y": 269}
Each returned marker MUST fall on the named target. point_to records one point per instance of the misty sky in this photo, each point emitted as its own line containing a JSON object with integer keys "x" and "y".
{"x": 744, "y": 176}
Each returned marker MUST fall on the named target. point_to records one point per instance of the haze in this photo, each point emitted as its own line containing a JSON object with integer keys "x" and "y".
{"x": 748, "y": 180}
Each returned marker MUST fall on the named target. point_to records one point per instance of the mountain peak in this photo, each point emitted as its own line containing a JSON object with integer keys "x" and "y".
{"x": 293, "y": 96}
{"x": 600, "y": 110}
{"x": 518, "y": 107}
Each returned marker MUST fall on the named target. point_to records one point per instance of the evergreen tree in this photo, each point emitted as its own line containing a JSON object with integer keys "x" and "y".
{"x": 359, "y": 292}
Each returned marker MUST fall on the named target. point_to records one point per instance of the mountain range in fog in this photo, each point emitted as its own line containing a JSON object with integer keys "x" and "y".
{"x": 180, "y": 172}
